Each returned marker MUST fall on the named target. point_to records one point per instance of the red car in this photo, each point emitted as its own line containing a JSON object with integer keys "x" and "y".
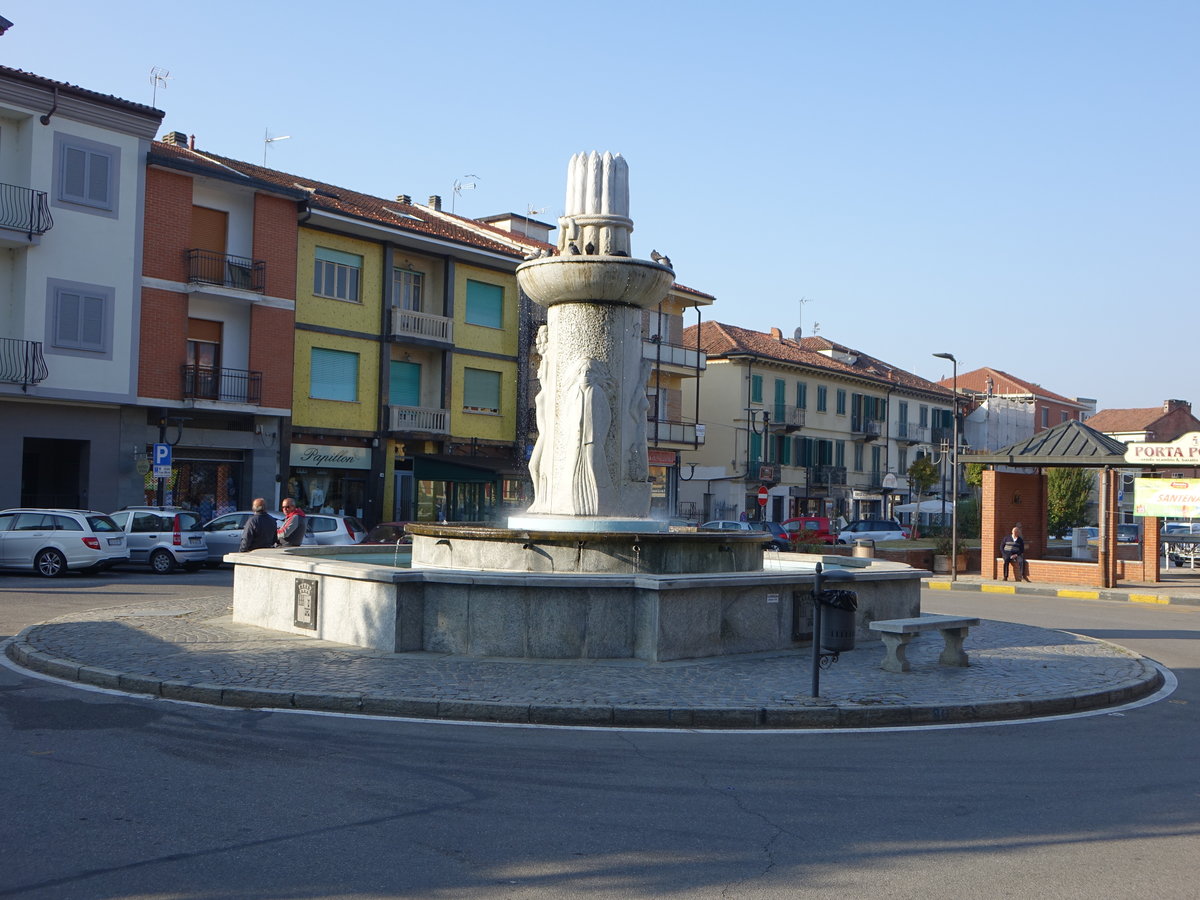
{"x": 809, "y": 530}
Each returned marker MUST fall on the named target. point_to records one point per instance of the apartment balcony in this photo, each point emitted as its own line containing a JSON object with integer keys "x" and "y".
{"x": 674, "y": 356}
{"x": 661, "y": 431}
{"x": 865, "y": 429}
{"x": 24, "y": 216}
{"x": 786, "y": 418}
{"x": 826, "y": 476}
{"x": 222, "y": 270}
{"x": 409, "y": 325}
{"x": 21, "y": 362}
{"x": 908, "y": 433}
{"x": 942, "y": 436}
{"x": 419, "y": 419}
{"x": 222, "y": 385}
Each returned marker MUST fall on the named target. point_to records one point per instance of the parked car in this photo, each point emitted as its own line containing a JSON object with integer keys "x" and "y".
{"x": 809, "y": 530}
{"x": 388, "y": 533}
{"x": 55, "y": 541}
{"x": 775, "y": 537}
{"x": 224, "y": 535}
{"x": 873, "y": 530}
{"x": 1128, "y": 533}
{"x": 163, "y": 537}
{"x": 328, "y": 529}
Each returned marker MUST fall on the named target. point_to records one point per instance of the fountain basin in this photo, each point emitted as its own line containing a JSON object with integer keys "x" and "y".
{"x": 596, "y": 279}
{"x": 553, "y": 615}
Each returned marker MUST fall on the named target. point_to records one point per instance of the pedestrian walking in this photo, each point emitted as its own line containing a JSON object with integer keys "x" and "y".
{"x": 291, "y": 532}
{"x": 259, "y": 533}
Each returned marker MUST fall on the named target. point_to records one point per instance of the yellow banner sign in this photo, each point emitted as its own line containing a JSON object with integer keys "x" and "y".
{"x": 1175, "y": 497}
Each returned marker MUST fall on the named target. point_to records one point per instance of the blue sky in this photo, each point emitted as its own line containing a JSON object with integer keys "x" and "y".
{"x": 1013, "y": 182}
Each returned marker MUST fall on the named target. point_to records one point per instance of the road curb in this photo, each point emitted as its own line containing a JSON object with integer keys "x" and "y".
{"x": 829, "y": 715}
{"x": 1119, "y": 596}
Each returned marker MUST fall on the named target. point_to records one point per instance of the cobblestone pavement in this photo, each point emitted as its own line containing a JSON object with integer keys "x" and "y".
{"x": 192, "y": 650}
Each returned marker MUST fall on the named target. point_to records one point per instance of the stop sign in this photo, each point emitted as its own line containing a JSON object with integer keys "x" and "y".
{"x": 762, "y": 496}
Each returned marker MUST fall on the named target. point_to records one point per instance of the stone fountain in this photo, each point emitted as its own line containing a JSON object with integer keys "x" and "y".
{"x": 583, "y": 573}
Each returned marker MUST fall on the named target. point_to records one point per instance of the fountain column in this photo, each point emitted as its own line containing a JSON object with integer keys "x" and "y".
{"x": 589, "y": 465}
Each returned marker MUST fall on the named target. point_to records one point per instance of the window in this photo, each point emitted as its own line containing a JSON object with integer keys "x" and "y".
{"x": 78, "y": 320}
{"x": 822, "y": 398}
{"x": 858, "y": 457}
{"x": 1045, "y": 417}
{"x": 481, "y": 391}
{"x": 876, "y": 462}
{"x": 485, "y": 304}
{"x": 85, "y": 173}
{"x": 801, "y": 395}
{"x": 756, "y": 394}
{"x": 902, "y": 459}
{"x": 839, "y": 454}
{"x": 404, "y": 384}
{"x": 755, "y": 447}
{"x": 1065, "y": 416}
{"x": 780, "y": 412}
{"x": 336, "y": 274}
{"x": 407, "y": 289}
{"x": 334, "y": 375}
{"x": 924, "y": 416}
{"x": 841, "y": 402}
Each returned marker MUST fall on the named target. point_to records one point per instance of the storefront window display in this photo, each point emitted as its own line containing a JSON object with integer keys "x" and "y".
{"x": 207, "y": 481}
{"x": 329, "y": 479}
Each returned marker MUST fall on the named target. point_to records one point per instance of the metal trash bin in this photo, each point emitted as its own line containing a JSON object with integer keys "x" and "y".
{"x": 837, "y": 619}
{"x": 864, "y": 547}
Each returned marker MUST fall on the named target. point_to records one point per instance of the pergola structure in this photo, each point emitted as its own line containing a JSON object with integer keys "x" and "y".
{"x": 1011, "y": 498}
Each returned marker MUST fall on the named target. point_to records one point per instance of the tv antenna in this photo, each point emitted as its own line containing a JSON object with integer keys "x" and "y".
{"x": 800, "y": 323}
{"x": 158, "y": 75}
{"x": 268, "y": 140}
{"x": 460, "y": 186}
{"x": 531, "y": 210}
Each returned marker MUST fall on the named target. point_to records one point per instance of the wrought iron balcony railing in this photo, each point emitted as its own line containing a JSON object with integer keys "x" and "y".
{"x": 21, "y": 362}
{"x": 224, "y": 385}
{"x": 826, "y": 475}
{"x": 223, "y": 270}
{"x": 419, "y": 418}
{"x": 24, "y": 209}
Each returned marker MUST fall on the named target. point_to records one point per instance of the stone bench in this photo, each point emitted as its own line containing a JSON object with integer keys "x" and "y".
{"x": 897, "y": 633}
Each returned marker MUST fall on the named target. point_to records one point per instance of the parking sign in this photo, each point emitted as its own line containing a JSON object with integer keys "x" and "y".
{"x": 162, "y": 460}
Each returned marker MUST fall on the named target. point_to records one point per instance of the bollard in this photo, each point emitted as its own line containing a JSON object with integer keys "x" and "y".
{"x": 864, "y": 547}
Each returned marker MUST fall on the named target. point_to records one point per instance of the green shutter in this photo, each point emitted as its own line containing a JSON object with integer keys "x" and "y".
{"x": 481, "y": 390}
{"x": 334, "y": 375}
{"x": 756, "y": 389}
{"x": 755, "y": 447}
{"x": 404, "y": 384}
{"x": 337, "y": 256}
{"x": 485, "y": 304}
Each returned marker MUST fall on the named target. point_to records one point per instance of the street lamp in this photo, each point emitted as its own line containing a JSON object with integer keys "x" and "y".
{"x": 954, "y": 475}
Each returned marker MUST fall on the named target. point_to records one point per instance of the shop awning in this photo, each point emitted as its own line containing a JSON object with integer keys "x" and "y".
{"x": 442, "y": 467}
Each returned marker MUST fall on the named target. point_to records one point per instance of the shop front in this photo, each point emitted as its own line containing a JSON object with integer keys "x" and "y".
{"x": 329, "y": 478}
{"x": 465, "y": 488}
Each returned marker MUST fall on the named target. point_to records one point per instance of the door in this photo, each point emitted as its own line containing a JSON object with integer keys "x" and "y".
{"x": 204, "y": 358}
{"x": 54, "y": 473}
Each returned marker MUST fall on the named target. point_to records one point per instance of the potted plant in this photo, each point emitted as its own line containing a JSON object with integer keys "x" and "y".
{"x": 942, "y": 549}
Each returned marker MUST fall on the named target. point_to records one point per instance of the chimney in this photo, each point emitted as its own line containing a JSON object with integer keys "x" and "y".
{"x": 178, "y": 138}
{"x": 435, "y": 201}
{"x": 406, "y": 199}
{"x": 1172, "y": 405}
{"x": 776, "y": 334}
{"x": 191, "y": 142}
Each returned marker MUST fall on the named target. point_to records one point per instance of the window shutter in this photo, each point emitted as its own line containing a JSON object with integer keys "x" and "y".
{"x": 404, "y": 384}
{"x": 481, "y": 389}
{"x": 334, "y": 375}
{"x": 485, "y": 304}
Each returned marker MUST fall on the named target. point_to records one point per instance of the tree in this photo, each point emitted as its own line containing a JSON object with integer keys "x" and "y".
{"x": 1068, "y": 492}
{"x": 922, "y": 475}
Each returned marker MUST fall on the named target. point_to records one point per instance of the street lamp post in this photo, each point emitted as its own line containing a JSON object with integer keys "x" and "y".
{"x": 954, "y": 474}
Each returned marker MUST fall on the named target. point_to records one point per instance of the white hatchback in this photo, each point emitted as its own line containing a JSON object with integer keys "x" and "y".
{"x": 54, "y": 541}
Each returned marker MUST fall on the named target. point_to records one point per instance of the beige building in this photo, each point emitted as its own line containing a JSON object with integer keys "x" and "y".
{"x": 826, "y": 429}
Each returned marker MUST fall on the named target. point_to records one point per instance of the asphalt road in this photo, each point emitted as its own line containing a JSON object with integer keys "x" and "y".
{"x": 108, "y": 796}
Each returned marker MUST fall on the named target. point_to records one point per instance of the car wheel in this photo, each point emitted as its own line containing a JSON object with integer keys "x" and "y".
{"x": 162, "y": 562}
{"x": 50, "y": 563}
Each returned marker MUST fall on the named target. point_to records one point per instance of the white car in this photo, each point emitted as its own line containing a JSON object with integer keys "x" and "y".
{"x": 54, "y": 541}
{"x": 872, "y": 530}
{"x": 163, "y": 537}
{"x": 327, "y": 529}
